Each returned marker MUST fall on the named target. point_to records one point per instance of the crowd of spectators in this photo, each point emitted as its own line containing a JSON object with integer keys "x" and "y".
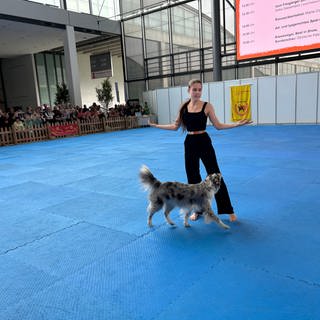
{"x": 19, "y": 119}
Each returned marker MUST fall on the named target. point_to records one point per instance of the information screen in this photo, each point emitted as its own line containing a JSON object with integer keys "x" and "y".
{"x": 101, "y": 66}
{"x": 273, "y": 27}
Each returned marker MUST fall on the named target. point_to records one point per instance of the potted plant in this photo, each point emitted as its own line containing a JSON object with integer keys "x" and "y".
{"x": 104, "y": 94}
{"x": 146, "y": 109}
{"x": 62, "y": 94}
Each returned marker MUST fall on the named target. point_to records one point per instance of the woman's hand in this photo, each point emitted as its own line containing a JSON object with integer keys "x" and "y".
{"x": 244, "y": 122}
{"x": 151, "y": 124}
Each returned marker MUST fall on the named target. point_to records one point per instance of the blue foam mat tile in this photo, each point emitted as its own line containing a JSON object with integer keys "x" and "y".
{"x": 74, "y": 162}
{"x": 250, "y": 163}
{"x": 65, "y": 303}
{"x": 297, "y": 215}
{"x": 5, "y": 156}
{"x": 217, "y": 296}
{"x": 266, "y": 191}
{"x": 114, "y": 171}
{"x": 119, "y": 186}
{"x": 72, "y": 248}
{"x": 19, "y": 281}
{"x": 8, "y": 170}
{"x": 138, "y": 281}
{"x": 18, "y": 229}
{"x": 37, "y": 195}
{"x": 200, "y": 237}
{"x": 310, "y": 193}
{"x": 244, "y": 199}
{"x": 276, "y": 248}
{"x": 116, "y": 212}
{"x": 102, "y": 169}
{"x": 8, "y": 181}
{"x": 55, "y": 176}
{"x": 30, "y": 158}
{"x": 7, "y": 165}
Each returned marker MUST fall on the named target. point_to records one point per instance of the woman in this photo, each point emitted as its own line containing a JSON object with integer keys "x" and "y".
{"x": 192, "y": 118}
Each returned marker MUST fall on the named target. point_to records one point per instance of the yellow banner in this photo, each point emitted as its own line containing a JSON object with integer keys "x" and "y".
{"x": 240, "y": 103}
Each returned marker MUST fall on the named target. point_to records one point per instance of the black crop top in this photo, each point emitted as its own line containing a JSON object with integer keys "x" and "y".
{"x": 194, "y": 121}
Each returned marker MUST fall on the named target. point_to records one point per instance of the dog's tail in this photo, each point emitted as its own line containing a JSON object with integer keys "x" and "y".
{"x": 147, "y": 178}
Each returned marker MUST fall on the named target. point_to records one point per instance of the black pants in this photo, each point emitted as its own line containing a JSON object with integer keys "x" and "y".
{"x": 200, "y": 147}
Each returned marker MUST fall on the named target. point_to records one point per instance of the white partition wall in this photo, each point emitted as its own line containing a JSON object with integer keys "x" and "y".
{"x": 184, "y": 93}
{"x": 174, "y": 102}
{"x": 205, "y": 92}
{"x": 307, "y": 96}
{"x": 154, "y": 106}
{"x": 216, "y": 97}
{"x": 266, "y": 93}
{"x": 163, "y": 106}
{"x": 286, "y": 99}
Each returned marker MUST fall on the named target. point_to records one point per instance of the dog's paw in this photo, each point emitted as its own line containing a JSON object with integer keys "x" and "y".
{"x": 187, "y": 225}
{"x": 223, "y": 225}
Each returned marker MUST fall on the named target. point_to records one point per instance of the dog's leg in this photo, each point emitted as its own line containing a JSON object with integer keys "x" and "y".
{"x": 152, "y": 209}
{"x": 210, "y": 216}
{"x": 186, "y": 217}
{"x": 167, "y": 211}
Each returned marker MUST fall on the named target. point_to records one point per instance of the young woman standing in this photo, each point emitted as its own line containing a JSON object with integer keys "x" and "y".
{"x": 192, "y": 118}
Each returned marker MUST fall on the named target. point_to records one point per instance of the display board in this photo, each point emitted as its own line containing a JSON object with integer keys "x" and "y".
{"x": 101, "y": 66}
{"x": 274, "y": 27}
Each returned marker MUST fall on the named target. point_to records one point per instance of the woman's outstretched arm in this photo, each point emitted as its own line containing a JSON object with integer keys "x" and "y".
{"x": 220, "y": 126}
{"x": 171, "y": 126}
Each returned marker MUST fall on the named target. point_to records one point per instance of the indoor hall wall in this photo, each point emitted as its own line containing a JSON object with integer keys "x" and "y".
{"x": 20, "y": 82}
{"x": 290, "y": 99}
{"x": 88, "y": 86}
{"x": 21, "y": 85}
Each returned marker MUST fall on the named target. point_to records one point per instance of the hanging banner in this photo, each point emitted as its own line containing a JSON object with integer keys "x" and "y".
{"x": 240, "y": 103}
{"x": 61, "y": 130}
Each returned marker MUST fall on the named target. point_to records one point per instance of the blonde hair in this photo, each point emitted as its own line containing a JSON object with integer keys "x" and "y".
{"x": 193, "y": 81}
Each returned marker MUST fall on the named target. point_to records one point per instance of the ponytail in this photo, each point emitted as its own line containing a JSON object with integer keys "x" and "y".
{"x": 182, "y": 111}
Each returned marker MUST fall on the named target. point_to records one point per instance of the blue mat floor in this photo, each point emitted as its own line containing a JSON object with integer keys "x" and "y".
{"x": 75, "y": 243}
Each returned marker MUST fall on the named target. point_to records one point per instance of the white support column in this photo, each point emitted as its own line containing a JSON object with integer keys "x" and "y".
{"x": 63, "y": 4}
{"x": 72, "y": 67}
